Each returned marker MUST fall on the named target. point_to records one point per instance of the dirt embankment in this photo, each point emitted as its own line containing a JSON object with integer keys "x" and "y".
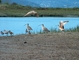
{"x": 55, "y": 46}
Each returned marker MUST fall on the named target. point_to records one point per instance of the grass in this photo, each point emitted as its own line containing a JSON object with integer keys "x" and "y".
{"x": 19, "y": 11}
{"x": 75, "y": 29}
{"x": 52, "y": 30}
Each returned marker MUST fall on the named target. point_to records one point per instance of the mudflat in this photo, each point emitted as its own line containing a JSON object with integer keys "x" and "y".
{"x": 50, "y": 46}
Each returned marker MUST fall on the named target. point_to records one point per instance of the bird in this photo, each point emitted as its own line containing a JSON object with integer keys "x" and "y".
{"x": 44, "y": 28}
{"x": 2, "y": 33}
{"x": 61, "y": 25}
{"x": 6, "y": 32}
{"x": 32, "y": 13}
{"x": 10, "y": 32}
{"x": 28, "y": 27}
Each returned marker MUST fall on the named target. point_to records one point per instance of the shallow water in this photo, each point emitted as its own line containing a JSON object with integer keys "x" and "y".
{"x": 16, "y": 24}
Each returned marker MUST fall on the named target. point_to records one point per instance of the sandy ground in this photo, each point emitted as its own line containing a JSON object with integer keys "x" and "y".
{"x": 51, "y": 46}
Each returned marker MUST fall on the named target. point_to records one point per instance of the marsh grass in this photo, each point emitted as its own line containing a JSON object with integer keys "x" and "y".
{"x": 39, "y": 32}
{"x": 54, "y": 30}
{"x": 75, "y": 29}
{"x": 11, "y": 10}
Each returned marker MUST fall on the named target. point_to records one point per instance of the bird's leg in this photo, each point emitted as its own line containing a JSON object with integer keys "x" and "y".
{"x": 26, "y": 31}
{"x": 29, "y": 32}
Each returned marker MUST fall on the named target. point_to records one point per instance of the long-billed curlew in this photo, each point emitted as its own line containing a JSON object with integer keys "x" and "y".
{"x": 32, "y": 13}
{"x": 28, "y": 28}
{"x": 61, "y": 25}
{"x": 44, "y": 28}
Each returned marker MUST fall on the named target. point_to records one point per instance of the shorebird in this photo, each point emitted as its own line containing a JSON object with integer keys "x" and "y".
{"x": 44, "y": 28}
{"x": 2, "y": 33}
{"x": 10, "y": 32}
{"x": 28, "y": 28}
{"x": 61, "y": 25}
{"x": 6, "y": 32}
{"x": 31, "y": 13}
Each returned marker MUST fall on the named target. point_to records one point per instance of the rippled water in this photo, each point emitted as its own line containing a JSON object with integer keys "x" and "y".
{"x": 16, "y": 24}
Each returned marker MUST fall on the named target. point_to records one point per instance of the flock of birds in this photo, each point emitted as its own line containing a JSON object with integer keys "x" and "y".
{"x": 45, "y": 30}
{"x": 28, "y": 28}
{"x": 61, "y": 23}
{"x": 6, "y": 32}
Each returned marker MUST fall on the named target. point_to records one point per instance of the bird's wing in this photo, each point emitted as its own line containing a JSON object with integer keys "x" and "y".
{"x": 34, "y": 12}
{"x": 30, "y": 12}
{"x": 64, "y": 22}
{"x": 29, "y": 28}
{"x": 46, "y": 29}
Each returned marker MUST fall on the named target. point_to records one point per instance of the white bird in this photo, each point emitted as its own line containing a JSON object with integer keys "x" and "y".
{"x": 44, "y": 28}
{"x": 31, "y": 13}
{"x": 61, "y": 25}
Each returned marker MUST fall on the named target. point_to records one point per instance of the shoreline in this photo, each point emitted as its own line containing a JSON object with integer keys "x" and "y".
{"x": 43, "y": 16}
{"x": 40, "y": 46}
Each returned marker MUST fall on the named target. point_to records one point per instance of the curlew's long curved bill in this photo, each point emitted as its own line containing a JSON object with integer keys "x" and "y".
{"x": 64, "y": 22}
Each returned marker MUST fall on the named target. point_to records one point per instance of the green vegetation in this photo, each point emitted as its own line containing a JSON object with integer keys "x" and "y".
{"x": 75, "y": 29}
{"x": 0, "y": 1}
{"x": 15, "y": 10}
{"x": 52, "y": 30}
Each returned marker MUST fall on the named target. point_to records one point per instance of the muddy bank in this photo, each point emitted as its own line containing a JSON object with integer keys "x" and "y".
{"x": 51, "y": 46}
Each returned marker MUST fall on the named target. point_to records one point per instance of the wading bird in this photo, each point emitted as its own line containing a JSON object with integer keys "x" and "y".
{"x": 61, "y": 25}
{"x": 2, "y": 33}
{"x": 10, "y": 32}
{"x": 28, "y": 28}
{"x": 32, "y": 13}
{"x": 6, "y": 32}
{"x": 44, "y": 28}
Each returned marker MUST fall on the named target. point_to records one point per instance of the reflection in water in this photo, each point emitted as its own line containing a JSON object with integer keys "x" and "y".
{"x": 16, "y": 25}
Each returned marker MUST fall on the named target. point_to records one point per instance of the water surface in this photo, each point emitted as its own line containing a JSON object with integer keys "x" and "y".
{"x": 16, "y": 24}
